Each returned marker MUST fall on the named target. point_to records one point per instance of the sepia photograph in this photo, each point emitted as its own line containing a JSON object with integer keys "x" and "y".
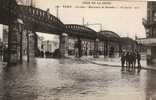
{"x": 77, "y": 50}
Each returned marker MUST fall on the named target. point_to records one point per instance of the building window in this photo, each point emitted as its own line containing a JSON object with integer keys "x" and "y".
{"x": 154, "y": 16}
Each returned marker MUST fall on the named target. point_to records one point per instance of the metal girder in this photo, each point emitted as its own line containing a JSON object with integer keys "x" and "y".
{"x": 108, "y": 35}
{"x": 80, "y": 31}
{"x": 7, "y": 12}
{"x": 39, "y": 20}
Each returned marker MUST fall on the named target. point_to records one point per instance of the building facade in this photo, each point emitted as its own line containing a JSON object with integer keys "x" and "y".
{"x": 150, "y": 27}
{"x": 47, "y": 45}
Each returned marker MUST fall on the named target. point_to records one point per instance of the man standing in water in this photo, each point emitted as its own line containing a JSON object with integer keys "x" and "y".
{"x": 138, "y": 60}
{"x": 123, "y": 60}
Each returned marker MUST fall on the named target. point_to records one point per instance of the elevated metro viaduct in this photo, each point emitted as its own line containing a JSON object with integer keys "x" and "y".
{"x": 110, "y": 40}
{"x": 83, "y": 35}
{"x": 102, "y": 41}
{"x": 26, "y": 20}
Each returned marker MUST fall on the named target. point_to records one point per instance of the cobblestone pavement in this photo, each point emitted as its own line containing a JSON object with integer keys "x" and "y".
{"x": 66, "y": 79}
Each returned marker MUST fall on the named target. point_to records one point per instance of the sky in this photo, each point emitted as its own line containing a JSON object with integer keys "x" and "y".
{"x": 125, "y": 19}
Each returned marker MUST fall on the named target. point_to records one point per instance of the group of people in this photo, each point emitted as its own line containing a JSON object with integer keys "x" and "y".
{"x": 129, "y": 60}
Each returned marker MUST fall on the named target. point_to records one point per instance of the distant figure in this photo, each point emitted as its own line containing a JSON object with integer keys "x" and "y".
{"x": 134, "y": 59}
{"x": 80, "y": 47}
{"x": 127, "y": 61}
{"x": 42, "y": 54}
{"x": 131, "y": 60}
{"x": 111, "y": 52}
{"x": 123, "y": 60}
{"x": 56, "y": 53}
{"x": 138, "y": 60}
{"x": 76, "y": 49}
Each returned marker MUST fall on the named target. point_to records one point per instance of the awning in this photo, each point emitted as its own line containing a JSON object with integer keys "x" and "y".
{"x": 147, "y": 41}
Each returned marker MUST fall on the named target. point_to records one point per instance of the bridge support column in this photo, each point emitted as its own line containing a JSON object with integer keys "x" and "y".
{"x": 86, "y": 53}
{"x": 79, "y": 47}
{"x": 96, "y": 48}
{"x": 36, "y": 44}
{"x": 21, "y": 46}
{"x": 13, "y": 50}
{"x": 103, "y": 47}
{"x": 106, "y": 49}
{"x": 63, "y": 45}
{"x": 28, "y": 55}
{"x": 30, "y": 46}
{"x": 91, "y": 50}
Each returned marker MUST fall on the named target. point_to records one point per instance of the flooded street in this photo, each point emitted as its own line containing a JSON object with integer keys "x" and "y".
{"x": 65, "y": 79}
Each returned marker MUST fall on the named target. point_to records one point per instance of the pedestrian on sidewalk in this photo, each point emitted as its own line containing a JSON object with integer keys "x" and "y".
{"x": 123, "y": 60}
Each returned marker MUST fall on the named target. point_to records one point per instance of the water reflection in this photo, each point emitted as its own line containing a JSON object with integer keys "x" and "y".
{"x": 52, "y": 79}
{"x": 15, "y": 82}
{"x": 150, "y": 85}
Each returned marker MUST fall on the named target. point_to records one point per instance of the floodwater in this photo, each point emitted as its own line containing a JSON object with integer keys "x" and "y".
{"x": 65, "y": 79}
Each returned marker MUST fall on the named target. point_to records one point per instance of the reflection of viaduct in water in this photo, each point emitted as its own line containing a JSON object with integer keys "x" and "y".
{"x": 28, "y": 20}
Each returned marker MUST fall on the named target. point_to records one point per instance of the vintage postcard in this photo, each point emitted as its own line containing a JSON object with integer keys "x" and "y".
{"x": 77, "y": 50}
